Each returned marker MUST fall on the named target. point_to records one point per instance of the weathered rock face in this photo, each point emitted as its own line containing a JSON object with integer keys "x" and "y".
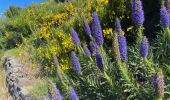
{"x": 13, "y": 71}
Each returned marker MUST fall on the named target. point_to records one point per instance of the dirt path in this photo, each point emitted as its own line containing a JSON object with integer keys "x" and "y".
{"x": 3, "y": 90}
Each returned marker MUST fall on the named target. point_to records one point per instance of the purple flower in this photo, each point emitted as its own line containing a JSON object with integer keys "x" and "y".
{"x": 75, "y": 63}
{"x": 96, "y": 29}
{"x": 164, "y": 17}
{"x": 86, "y": 27}
{"x": 55, "y": 59}
{"x": 118, "y": 25}
{"x": 75, "y": 37}
{"x": 160, "y": 83}
{"x": 86, "y": 50}
{"x": 154, "y": 81}
{"x": 167, "y": 5}
{"x": 43, "y": 97}
{"x": 73, "y": 95}
{"x": 93, "y": 47}
{"x": 99, "y": 61}
{"x": 144, "y": 47}
{"x": 137, "y": 12}
{"x": 53, "y": 91}
{"x": 122, "y": 46}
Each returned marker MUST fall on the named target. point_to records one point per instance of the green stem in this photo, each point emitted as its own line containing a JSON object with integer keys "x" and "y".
{"x": 124, "y": 72}
{"x": 108, "y": 78}
{"x": 160, "y": 98}
{"x": 80, "y": 50}
{"x": 148, "y": 66}
{"x": 91, "y": 38}
{"x": 167, "y": 31}
{"x": 91, "y": 59}
{"x": 139, "y": 38}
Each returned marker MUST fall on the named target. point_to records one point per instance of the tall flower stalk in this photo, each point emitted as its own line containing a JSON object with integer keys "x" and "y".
{"x": 122, "y": 67}
{"x": 144, "y": 50}
{"x": 75, "y": 37}
{"x": 118, "y": 25}
{"x": 75, "y": 63}
{"x": 99, "y": 61}
{"x": 87, "y": 28}
{"x": 166, "y": 3}
{"x": 160, "y": 84}
{"x": 53, "y": 91}
{"x": 121, "y": 41}
{"x": 76, "y": 40}
{"x": 138, "y": 17}
{"x": 72, "y": 94}
{"x": 97, "y": 30}
{"x": 93, "y": 47}
{"x": 122, "y": 46}
{"x": 144, "y": 47}
{"x": 165, "y": 21}
{"x": 86, "y": 50}
{"x": 58, "y": 69}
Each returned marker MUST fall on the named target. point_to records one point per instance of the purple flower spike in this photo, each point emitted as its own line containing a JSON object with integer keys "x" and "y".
{"x": 58, "y": 95}
{"x": 96, "y": 29}
{"x": 160, "y": 83}
{"x": 137, "y": 12}
{"x": 53, "y": 91}
{"x": 86, "y": 50}
{"x": 154, "y": 81}
{"x": 167, "y": 5}
{"x": 43, "y": 97}
{"x": 164, "y": 17}
{"x": 75, "y": 63}
{"x": 75, "y": 37}
{"x": 93, "y": 47}
{"x": 144, "y": 47}
{"x": 122, "y": 46}
{"x": 86, "y": 27}
{"x": 73, "y": 95}
{"x": 118, "y": 25}
{"x": 99, "y": 61}
{"x": 55, "y": 59}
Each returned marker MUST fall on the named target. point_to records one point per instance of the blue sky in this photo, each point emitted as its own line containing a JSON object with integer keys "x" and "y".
{"x": 4, "y": 4}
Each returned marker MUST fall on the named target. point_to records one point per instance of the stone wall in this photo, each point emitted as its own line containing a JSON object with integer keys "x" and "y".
{"x": 12, "y": 70}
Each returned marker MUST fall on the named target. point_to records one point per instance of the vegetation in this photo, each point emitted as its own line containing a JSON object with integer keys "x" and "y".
{"x": 93, "y": 49}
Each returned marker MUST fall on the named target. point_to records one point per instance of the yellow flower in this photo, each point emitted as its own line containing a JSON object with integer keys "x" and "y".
{"x": 122, "y": 17}
{"x": 64, "y": 64}
{"x": 105, "y": 2}
{"x": 107, "y": 32}
{"x": 142, "y": 28}
{"x": 70, "y": 8}
{"x": 129, "y": 28}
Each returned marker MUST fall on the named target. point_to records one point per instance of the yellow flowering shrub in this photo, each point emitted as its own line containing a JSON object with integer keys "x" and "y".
{"x": 44, "y": 32}
{"x": 105, "y": 2}
{"x": 54, "y": 19}
{"x": 47, "y": 25}
{"x": 107, "y": 33}
{"x": 70, "y": 9}
{"x": 65, "y": 41}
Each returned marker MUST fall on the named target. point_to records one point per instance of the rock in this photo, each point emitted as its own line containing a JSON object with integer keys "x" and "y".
{"x": 13, "y": 73}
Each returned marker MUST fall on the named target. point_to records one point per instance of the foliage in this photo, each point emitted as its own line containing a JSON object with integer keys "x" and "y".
{"x": 43, "y": 30}
{"x": 39, "y": 89}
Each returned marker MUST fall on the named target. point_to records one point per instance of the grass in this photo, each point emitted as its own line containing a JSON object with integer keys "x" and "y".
{"x": 39, "y": 90}
{"x": 3, "y": 94}
{"x": 11, "y": 52}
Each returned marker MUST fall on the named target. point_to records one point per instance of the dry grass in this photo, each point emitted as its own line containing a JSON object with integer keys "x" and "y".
{"x": 3, "y": 91}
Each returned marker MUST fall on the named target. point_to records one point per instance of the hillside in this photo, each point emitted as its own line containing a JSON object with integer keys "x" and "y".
{"x": 90, "y": 49}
